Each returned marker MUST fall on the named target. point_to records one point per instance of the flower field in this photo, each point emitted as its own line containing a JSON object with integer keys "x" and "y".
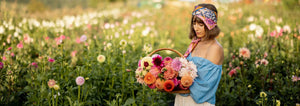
{"x": 91, "y": 58}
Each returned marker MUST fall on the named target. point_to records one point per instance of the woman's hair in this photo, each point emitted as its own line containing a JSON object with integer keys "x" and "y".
{"x": 209, "y": 34}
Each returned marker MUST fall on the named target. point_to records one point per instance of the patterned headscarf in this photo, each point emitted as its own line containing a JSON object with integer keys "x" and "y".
{"x": 208, "y": 16}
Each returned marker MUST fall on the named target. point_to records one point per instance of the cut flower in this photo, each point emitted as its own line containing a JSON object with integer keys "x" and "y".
{"x": 159, "y": 83}
{"x": 146, "y": 62}
{"x": 186, "y": 81}
{"x": 169, "y": 85}
{"x": 157, "y": 61}
{"x": 149, "y": 78}
{"x": 169, "y": 74}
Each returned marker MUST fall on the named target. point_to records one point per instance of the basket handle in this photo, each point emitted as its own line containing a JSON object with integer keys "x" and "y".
{"x": 166, "y": 49}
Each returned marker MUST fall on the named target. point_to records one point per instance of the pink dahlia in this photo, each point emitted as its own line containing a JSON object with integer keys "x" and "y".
{"x": 46, "y": 38}
{"x": 138, "y": 71}
{"x": 77, "y": 40}
{"x": 295, "y": 78}
{"x": 80, "y": 80}
{"x": 62, "y": 37}
{"x": 139, "y": 63}
{"x": 140, "y": 80}
{"x": 128, "y": 70}
{"x": 265, "y": 54}
{"x": 1, "y": 65}
{"x": 20, "y": 45}
{"x": 175, "y": 81}
{"x": 272, "y": 34}
{"x": 167, "y": 61}
{"x": 233, "y": 71}
{"x": 12, "y": 54}
{"x": 73, "y": 54}
{"x": 157, "y": 61}
{"x": 152, "y": 86}
{"x": 244, "y": 52}
{"x": 9, "y": 48}
{"x": 176, "y": 64}
{"x": 264, "y": 61}
{"x": 51, "y": 60}
{"x": 51, "y": 83}
{"x": 34, "y": 64}
{"x": 4, "y": 58}
{"x": 155, "y": 71}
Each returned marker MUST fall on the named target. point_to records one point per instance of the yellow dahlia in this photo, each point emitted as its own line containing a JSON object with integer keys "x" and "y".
{"x": 146, "y": 62}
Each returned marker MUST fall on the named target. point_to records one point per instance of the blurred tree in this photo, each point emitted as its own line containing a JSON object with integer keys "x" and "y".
{"x": 125, "y": 2}
{"x": 93, "y": 3}
{"x": 291, "y": 4}
{"x": 36, "y": 6}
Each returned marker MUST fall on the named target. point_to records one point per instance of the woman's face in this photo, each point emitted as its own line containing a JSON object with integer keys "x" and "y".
{"x": 199, "y": 29}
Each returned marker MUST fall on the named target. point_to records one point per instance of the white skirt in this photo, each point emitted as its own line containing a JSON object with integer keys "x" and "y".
{"x": 188, "y": 101}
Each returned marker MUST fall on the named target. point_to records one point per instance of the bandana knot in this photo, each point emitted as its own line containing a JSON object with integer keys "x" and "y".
{"x": 192, "y": 46}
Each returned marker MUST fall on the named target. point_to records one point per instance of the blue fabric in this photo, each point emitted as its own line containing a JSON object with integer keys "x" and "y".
{"x": 205, "y": 85}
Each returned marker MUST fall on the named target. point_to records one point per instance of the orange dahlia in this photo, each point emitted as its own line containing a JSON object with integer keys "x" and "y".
{"x": 159, "y": 83}
{"x": 170, "y": 73}
{"x": 169, "y": 85}
{"x": 186, "y": 81}
{"x": 149, "y": 78}
{"x": 181, "y": 86}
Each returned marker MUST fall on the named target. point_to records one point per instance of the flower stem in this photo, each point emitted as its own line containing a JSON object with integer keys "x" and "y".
{"x": 143, "y": 94}
{"x": 52, "y": 98}
{"x": 107, "y": 72}
{"x": 263, "y": 101}
{"x": 56, "y": 100}
{"x": 132, "y": 81}
{"x": 123, "y": 76}
{"x": 78, "y": 94}
{"x": 61, "y": 50}
{"x": 86, "y": 95}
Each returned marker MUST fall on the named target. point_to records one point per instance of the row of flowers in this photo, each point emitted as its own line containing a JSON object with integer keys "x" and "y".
{"x": 52, "y": 83}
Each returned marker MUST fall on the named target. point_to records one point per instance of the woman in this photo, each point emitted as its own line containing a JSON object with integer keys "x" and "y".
{"x": 207, "y": 54}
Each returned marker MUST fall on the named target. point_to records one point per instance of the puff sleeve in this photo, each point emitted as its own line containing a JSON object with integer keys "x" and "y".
{"x": 205, "y": 85}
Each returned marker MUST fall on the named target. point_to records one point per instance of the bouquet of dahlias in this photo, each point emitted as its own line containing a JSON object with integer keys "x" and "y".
{"x": 166, "y": 74}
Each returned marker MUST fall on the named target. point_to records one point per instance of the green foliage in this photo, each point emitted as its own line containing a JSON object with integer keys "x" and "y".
{"x": 113, "y": 81}
{"x": 291, "y": 4}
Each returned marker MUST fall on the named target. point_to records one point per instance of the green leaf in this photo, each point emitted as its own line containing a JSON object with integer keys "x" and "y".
{"x": 69, "y": 99}
{"x": 129, "y": 101}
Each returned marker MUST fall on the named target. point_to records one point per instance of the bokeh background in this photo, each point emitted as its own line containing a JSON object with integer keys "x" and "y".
{"x": 53, "y": 42}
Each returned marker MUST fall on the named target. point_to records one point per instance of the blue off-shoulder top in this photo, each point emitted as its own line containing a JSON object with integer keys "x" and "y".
{"x": 205, "y": 85}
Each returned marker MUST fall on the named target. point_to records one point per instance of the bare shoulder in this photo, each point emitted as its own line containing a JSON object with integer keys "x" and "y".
{"x": 215, "y": 53}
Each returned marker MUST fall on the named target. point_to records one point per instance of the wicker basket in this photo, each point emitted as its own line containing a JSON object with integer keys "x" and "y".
{"x": 161, "y": 49}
